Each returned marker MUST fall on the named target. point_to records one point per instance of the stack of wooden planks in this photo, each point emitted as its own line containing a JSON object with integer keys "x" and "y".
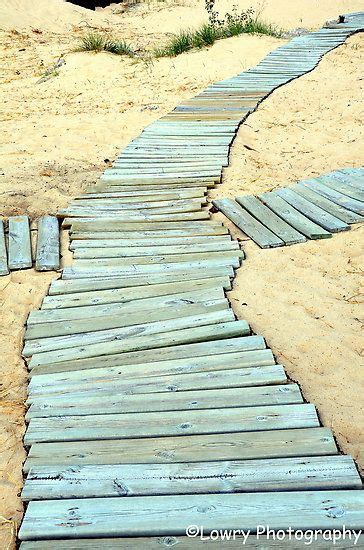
{"x": 150, "y": 406}
{"x": 16, "y": 250}
{"x": 310, "y": 209}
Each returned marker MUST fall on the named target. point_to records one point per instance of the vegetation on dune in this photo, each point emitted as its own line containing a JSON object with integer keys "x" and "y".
{"x": 233, "y": 24}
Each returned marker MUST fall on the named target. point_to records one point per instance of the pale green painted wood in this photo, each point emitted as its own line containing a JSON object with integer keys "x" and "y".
{"x": 334, "y": 472}
{"x": 186, "y": 543}
{"x": 132, "y": 196}
{"x": 159, "y": 376}
{"x": 177, "y": 205}
{"x": 159, "y": 424}
{"x": 89, "y": 313}
{"x": 222, "y": 345}
{"x": 160, "y": 262}
{"x": 230, "y": 392}
{"x": 249, "y": 225}
{"x": 312, "y": 212}
{"x": 236, "y": 446}
{"x": 164, "y": 228}
{"x": 293, "y": 217}
{"x": 118, "y": 240}
{"x": 169, "y": 515}
{"x": 137, "y": 251}
{"x": 188, "y": 335}
{"x": 334, "y": 182}
{"x": 268, "y": 218}
{"x": 186, "y": 317}
{"x": 4, "y": 270}
{"x": 109, "y": 282}
{"x": 20, "y": 253}
{"x": 335, "y": 209}
{"x": 98, "y": 297}
{"x": 334, "y": 196}
{"x": 129, "y": 217}
{"x": 47, "y": 253}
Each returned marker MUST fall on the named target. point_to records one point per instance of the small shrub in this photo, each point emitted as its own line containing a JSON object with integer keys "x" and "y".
{"x": 180, "y": 43}
{"x": 206, "y": 36}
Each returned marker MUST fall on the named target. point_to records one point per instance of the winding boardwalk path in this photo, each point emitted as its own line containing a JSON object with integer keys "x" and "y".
{"x": 151, "y": 407}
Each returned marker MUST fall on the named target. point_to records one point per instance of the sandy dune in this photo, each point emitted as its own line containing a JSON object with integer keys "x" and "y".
{"x": 57, "y": 135}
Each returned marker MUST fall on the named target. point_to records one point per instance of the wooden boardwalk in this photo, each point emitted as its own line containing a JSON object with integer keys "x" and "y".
{"x": 310, "y": 209}
{"x": 151, "y": 407}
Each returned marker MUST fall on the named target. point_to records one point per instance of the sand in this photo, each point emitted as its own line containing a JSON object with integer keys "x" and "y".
{"x": 58, "y": 135}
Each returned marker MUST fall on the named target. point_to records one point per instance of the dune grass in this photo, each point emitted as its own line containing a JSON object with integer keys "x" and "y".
{"x": 208, "y": 34}
{"x": 96, "y": 42}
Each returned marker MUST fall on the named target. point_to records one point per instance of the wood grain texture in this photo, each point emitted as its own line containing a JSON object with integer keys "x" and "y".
{"x": 4, "y": 270}
{"x": 47, "y": 253}
{"x": 20, "y": 253}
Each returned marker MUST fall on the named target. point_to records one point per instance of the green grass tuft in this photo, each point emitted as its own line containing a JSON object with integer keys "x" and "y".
{"x": 95, "y": 42}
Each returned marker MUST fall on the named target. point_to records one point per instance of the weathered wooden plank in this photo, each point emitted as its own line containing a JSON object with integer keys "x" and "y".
{"x": 84, "y": 240}
{"x": 47, "y": 254}
{"x": 249, "y": 225}
{"x": 132, "y": 196}
{"x": 178, "y": 227}
{"x": 239, "y": 446}
{"x": 159, "y": 424}
{"x": 160, "y": 262}
{"x": 20, "y": 253}
{"x": 165, "y": 339}
{"x": 49, "y": 398}
{"x": 109, "y": 282}
{"x": 225, "y": 397}
{"x": 270, "y": 220}
{"x": 334, "y": 181}
{"x": 334, "y": 196}
{"x": 161, "y": 251}
{"x": 98, "y": 297}
{"x": 312, "y": 212}
{"x": 131, "y": 217}
{"x": 181, "y": 374}
{"x": 132, "y": 270}
{"x": 293, "y": 217}
{"x": 188, "y": 543}
{"x": 169, "y": 515}
{"x": 110, "y": 204}
{"x": 287, "y": 474}
{"x": 335, "y": 209}
{"x": 4, "y": 270}
{"x": 186, "y": 317}
{"x": 220, "y": 345}
{"x": 143, "y": 304}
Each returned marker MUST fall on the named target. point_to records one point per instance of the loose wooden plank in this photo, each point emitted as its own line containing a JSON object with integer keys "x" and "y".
{"x": 87, "y": 312}
{"x": 169, "y": 515}
{"x": 220, "y": 345}
{"x": 141, "y": 251}
{"x": 160, "y": 262}
{"x": 249, "y": 225}
{"x": 130, "y": 217}
{"x": 159, "y": 424}
{"x": 187, "y": 317}
{"x": 47, "y": 254}
{"x": 334, "y": 196}
{"x": 293, "y": 217}
{"x": 234, "y": 393}
{"x": 20, "y": 253}
{"x": 98, "y": 297}
{"x": 335, "y": 209}
{"x": 313, "y": 212}
{"x": 212, "y": 267}
{"x": 110, "y": 281}
{"x": 171, "y": 228}
{"x": 181, "y": 374}
{"x": 187, "y": 543}
{"x": 110, "y": 204}
{"x": 334, "y": 181}
{"x": 165, "y": 339}
{"x": 268, "y": 218}
{"x": 4, "y": 270}
{"x": 85, "y": 240}
{"x": 334, "y": 472}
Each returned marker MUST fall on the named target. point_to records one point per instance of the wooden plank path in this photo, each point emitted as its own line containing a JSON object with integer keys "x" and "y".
{"x": 310, "y": 209}
{"x": 150, "y": 406}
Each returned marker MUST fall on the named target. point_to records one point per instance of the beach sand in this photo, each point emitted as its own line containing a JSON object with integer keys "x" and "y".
{"x": 58, "y": 135}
